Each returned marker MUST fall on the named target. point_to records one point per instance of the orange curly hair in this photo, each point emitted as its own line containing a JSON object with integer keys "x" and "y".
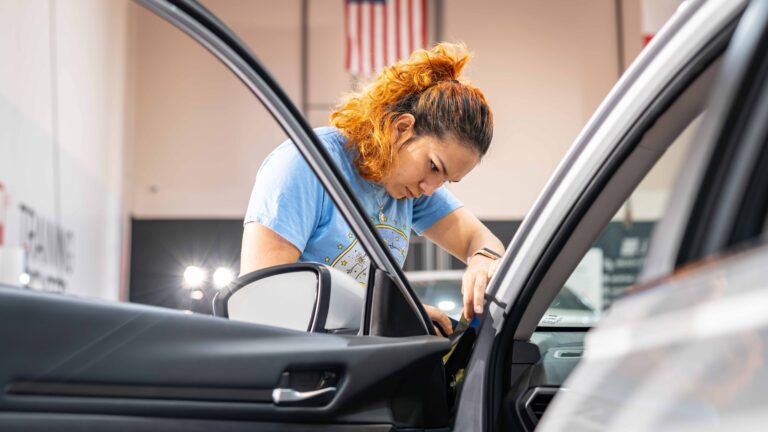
{"x": 426, "y": 86}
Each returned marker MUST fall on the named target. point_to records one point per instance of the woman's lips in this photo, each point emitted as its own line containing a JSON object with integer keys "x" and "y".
{"x": 408, "y": 192}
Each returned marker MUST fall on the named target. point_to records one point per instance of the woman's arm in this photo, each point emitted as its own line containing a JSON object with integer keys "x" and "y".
{"x": 461, "y": 234}
{"x": 263, "y": 248}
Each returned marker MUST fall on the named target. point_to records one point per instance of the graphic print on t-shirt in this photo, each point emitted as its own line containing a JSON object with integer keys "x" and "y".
{"x": 353, "y": 260}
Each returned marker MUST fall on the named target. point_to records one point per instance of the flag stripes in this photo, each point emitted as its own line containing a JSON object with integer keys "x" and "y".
{"x": 381, "y": 32}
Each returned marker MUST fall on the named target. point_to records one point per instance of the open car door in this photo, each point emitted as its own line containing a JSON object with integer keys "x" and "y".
{"x": 76, "y": 364}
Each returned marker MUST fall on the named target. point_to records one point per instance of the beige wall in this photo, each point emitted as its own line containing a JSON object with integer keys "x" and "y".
{"x": 544, "y": 65}
{"x": 62, "y": 117}
{"x": 327, "y": 78}
{"x": 199, "y": 134}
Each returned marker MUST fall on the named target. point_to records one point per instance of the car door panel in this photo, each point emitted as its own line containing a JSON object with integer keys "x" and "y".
{"x": 33, "y": 422}
{"x": 90, "y": 357}
{"x": 560, "y": 353}
{"x": 83, "y": 364}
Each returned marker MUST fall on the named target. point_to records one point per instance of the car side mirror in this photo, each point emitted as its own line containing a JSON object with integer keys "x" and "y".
{"x": 301, "y": 296}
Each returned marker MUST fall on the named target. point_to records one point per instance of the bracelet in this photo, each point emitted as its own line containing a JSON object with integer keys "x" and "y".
{"x": 488, "y": 253}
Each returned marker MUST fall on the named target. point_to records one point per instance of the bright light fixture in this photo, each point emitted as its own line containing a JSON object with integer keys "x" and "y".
{"x": 447, "y": 305}
{"x": 196, "y": 294}
{"x": 194, "y": 276}
{"x": 223, "y": 277}
{"x": 24, "y": 279}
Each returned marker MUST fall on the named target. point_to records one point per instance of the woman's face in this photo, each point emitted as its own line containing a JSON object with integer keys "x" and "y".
{"x": 424, "y": 163}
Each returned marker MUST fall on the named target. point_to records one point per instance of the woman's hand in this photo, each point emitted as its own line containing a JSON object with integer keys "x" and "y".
{"x": 473, "y": 283}
{"x": 461, "y": 234}
{"x": 438, "y": 316}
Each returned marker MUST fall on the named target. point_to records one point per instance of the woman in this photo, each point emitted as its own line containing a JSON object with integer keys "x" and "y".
{"x": 397, "y": 142}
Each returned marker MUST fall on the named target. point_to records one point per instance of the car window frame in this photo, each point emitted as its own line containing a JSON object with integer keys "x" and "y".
{"x": 499, "y": 339}
{"x": 683, "y": 90}
{"x": 707, "y": 61}
{"x": 382, "y": 300}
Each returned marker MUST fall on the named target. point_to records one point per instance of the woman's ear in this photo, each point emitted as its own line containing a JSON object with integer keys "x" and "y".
{"x": 403, "y": 129}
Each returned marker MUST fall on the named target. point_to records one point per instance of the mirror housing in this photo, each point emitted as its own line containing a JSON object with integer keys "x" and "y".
{"x": 300, "y": 296}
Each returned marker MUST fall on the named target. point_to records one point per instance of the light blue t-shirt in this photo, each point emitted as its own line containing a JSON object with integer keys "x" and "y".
{"x": 289, "y": 199}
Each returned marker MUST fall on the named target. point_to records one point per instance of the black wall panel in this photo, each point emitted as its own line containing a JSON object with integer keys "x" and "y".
{"x": 162, "y": 249}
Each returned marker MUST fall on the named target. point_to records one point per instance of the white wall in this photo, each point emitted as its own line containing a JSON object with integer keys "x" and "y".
{"x": 199, "y": 134}
{"x": 62, "y": 115}
{"x": 544, "y": 65}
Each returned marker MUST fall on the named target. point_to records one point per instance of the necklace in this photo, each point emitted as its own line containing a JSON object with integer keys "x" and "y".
{"x": 382, "y": 217}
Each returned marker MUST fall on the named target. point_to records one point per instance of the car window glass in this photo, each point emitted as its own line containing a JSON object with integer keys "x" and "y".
{"x": 616, "y": 257}
{"x": 198, "y": 139}
{"x": 441, "y": 289}
{"x": 750, "y": 225}
{"x": 194, "y": 137}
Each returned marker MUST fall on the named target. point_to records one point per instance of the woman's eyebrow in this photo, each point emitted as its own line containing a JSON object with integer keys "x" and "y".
{"x": 445, "y": 171}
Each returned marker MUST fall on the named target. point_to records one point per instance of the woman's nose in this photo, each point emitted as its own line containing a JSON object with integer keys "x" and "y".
{"x": 429, "y": 185}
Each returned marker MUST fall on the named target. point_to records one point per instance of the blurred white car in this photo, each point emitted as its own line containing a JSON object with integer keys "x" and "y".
{"x": 442, "y": 288}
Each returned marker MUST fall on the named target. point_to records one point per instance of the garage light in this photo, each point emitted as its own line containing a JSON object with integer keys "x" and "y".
{"x": 447, "y": 305}
{"x": 196, "y": 294}
{"x": 24, "y": 279}
{"x": 223, "y": 277}
{"x": 194, "y": 276}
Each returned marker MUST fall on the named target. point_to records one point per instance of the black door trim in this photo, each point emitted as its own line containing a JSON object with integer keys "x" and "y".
{"x": 71, "y": 389}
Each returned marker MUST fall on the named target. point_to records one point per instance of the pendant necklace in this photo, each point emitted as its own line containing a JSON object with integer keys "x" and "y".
{"x": 382, "y": 217}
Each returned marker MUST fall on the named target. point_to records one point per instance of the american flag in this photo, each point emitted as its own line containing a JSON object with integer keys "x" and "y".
{"x": 381, "y": 32}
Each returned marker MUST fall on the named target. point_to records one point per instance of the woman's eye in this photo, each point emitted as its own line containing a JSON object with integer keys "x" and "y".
{"x": 433, "y": 167}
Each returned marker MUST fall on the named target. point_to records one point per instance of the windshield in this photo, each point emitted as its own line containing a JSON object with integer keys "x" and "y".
{"x": 443, "y": 289}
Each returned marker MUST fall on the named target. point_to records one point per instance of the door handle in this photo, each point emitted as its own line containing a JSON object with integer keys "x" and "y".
{"x": 281, "y": 396}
